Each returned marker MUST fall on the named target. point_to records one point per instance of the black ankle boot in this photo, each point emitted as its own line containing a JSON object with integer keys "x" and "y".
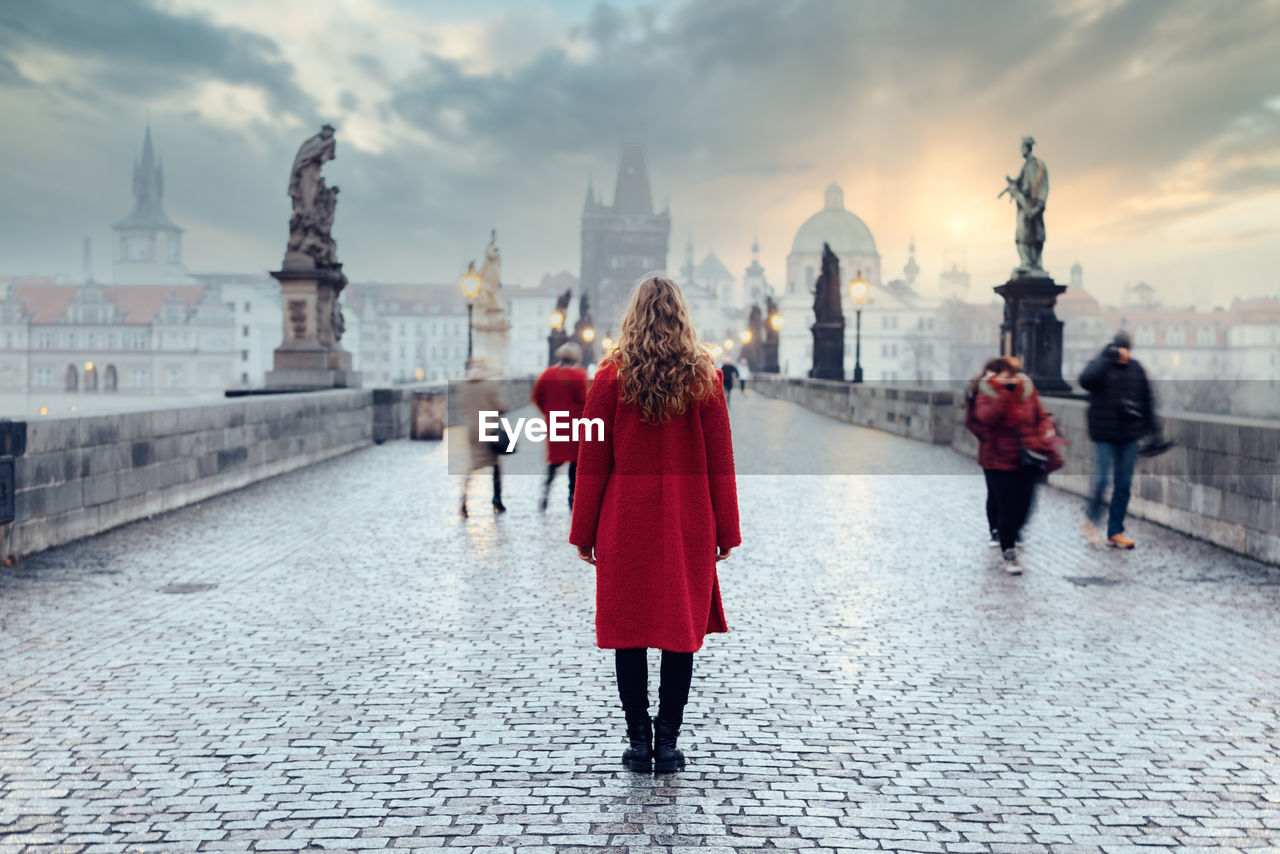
{"x": 639, "y": 756}
{"x": 666, "y": 757}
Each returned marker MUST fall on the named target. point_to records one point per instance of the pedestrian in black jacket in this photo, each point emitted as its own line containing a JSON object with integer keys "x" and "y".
{"x": 1121, "y": 411}
{"x": 729, "y": 375}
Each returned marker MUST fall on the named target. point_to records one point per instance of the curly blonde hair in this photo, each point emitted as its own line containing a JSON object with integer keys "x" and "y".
{"x": 661, "y": 363}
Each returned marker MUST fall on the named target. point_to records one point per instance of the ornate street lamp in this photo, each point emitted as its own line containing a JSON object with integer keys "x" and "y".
{"x": 859, "y": 292}
{"x": 470, "y": 286}
{"x": 745, "y": 335}
{"x": 589, "y": 334}
{"x": 775, "y": 321}
{"x": 728, "y": 343}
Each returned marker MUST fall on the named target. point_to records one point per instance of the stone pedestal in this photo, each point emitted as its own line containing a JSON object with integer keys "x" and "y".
{"x": 492, "y": 336}
{"x": 769, "y": 356}
{"x": 310, "y": 355}
{"x": 1032, "y": 332}
{"x": 828, "y": 350}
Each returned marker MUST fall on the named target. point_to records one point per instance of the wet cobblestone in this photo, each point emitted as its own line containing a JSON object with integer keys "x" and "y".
{"x": 333, "y": 660}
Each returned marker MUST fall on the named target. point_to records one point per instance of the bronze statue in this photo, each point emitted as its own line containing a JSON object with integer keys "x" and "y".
{"x": 826, "y": 292}
{"x": 1030, "y": 190}
{"x": 562, "y": 302}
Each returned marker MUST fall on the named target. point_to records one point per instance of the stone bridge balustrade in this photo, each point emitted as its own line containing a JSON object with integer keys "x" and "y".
{"x": 79, "y": 476}
{"x": 1220, "y": 482}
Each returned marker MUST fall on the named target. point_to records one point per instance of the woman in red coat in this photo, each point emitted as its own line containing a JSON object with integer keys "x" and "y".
{"x": 656, "y": 508}
{"x": 561, "y": 388}
{"x": 1007, "y": 409}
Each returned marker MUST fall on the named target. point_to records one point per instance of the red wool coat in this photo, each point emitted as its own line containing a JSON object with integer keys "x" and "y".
{"x": 656, "y": 501}
{"x": 1009, "y": 421}
{"x": 561, "y": 388}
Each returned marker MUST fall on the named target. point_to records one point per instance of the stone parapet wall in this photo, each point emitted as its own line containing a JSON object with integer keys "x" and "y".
{"x": 1220, "y": 482}
{"x": 916, "y": 413}
{"x": 82, "y": 475}
{"x": 79, "y": 476}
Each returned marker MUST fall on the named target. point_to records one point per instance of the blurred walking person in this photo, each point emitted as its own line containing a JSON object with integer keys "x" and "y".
{"x": 1121, "y": 411}
{"x": 990, "y": 369}
{"x": 1018, "y": 448}
{"x": 561, "y": 388}
{"x": 729, "y": 374}
{"x": 656, "y": 509}
{"x": 481, "y": 394}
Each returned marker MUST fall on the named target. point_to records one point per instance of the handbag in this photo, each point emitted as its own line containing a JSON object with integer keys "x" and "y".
{"x": 1029, "y": 459}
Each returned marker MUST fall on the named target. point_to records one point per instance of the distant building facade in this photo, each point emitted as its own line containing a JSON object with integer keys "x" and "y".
{"x": 147, "y": 340}
{"x": 621, "y": 241}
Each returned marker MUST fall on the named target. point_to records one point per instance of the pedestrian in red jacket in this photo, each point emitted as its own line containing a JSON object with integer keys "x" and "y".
{"x": 656, "y": 509}
{"x": 971, "y": 423}
{"x": 1016, "y": 430}
{"x": 561, "y": 388}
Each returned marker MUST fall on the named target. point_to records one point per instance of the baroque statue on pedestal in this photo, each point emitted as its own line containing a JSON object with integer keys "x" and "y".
{"x": 490, "y": 276}
{"x": 1030, "y": 190}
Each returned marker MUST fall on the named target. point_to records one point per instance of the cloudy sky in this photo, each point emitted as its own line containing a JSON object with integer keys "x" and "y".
{"x": 1159, "y": 122}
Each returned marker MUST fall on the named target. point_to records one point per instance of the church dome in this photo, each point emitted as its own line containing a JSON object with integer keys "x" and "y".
{"x": 842, "y": 229}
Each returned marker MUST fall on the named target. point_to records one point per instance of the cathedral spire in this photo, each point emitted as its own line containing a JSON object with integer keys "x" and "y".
{"x": 631, "y": 193}
{"x": 148, "y": 191}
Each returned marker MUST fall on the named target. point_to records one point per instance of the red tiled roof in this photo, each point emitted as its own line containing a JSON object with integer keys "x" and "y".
{"x": 135, "y": 304}
{"x": 47, "y": 302}
{"x": 140, "y": 303}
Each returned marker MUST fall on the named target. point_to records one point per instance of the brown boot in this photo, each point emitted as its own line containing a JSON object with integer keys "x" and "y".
{"x": 1120, "y": 541}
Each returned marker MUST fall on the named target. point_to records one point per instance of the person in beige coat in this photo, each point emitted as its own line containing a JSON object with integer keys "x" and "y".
{"x": 481, "y": 393}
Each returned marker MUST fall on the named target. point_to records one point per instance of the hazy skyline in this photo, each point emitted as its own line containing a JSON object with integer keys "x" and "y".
{"x": 1159, "y": 122}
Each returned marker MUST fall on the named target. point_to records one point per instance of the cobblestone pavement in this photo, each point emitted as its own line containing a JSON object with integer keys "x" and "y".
{"x": 334, "y": 660}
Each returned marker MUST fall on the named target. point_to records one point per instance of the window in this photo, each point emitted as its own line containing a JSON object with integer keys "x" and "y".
{"x": 71, "y": 340}
{"x": 244, "y": 355}
{"x": 244, "y": 331}
{"x": 248, "y": 307}
{"x": 171, "y": 377}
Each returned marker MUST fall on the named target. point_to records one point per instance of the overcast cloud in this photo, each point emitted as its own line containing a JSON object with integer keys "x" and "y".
{"x": 1160, "y": 123}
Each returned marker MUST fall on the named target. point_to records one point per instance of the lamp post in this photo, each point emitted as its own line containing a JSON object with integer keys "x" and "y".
{"x": 470, "y": 286}
{"x": 859, "y": 292}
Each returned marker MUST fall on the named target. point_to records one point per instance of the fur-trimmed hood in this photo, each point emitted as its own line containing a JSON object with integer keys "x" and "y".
{"x": 985, "y": 387}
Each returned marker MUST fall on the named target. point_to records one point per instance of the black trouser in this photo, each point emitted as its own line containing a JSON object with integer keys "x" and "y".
{"x": 1013, "y": 491}
{"x": 497, "y": 485}
{"x": 673, "y": 691}
{"x": 552, "y": 468}
{"x": 993, "y": 514}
